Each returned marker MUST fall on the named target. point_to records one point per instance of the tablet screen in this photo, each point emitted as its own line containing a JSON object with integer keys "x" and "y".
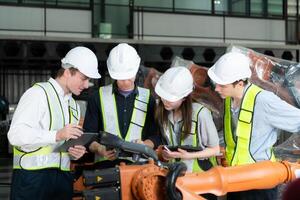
{"x": 84, "y": 139}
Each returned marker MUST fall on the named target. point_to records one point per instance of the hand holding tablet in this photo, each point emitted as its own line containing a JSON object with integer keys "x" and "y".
{"x": 83, "y": 140}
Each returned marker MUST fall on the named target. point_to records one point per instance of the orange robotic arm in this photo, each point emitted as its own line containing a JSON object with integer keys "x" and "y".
{"x": 157, "y": 181}
{"x": 148, "y": 182}
{"x": 220, "y": 180}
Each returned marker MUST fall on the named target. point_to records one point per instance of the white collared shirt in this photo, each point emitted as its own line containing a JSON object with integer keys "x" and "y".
{"x": 271, "y": 114}
{"x": 30, "y": 124}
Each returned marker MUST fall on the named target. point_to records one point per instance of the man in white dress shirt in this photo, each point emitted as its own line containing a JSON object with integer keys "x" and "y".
{"x": 45, "y": 117}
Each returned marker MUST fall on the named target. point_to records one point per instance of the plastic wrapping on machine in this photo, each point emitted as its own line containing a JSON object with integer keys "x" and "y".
{"x": 290, "y": 149}
{"x": 276, "y": 75}
{"x": 281, "y": 77}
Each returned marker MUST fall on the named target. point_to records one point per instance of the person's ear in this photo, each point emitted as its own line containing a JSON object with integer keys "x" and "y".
{"x": 241, "y": 83}
{"x": 67, "y": 73}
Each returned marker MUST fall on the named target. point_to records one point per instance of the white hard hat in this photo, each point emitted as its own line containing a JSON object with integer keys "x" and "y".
{"x": 123, "y": 62}
{"x": 82, "y": 59}
{"x": 175, "y": 84}
{"x": 229, "y": 68}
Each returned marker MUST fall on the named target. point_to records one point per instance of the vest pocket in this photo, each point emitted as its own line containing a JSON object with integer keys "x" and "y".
{"x": 245, "y": 116}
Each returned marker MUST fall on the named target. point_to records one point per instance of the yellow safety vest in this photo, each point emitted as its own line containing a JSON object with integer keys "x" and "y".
{"x": 192, "y": 139}
{"x": 48, "y": 157}
{"x": 237, "y": 150}
{"x": 110, "y": 115}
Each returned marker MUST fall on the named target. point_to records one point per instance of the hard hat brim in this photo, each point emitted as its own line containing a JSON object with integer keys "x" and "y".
{"x": 89, "y": 74}
{"x": 122, "y": 76}
{"x": 93, "y": 76}
{"x": 215, "y": 78}
{"x": 166, "y": 95}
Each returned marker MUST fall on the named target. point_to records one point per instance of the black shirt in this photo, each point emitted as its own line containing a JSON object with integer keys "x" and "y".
{"x": 93, "y": 121}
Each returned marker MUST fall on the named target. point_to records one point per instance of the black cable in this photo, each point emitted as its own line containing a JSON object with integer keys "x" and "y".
{"x": 175, "y": 170}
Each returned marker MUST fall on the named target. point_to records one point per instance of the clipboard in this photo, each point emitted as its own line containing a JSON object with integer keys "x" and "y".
{"x": 84, "y": 139}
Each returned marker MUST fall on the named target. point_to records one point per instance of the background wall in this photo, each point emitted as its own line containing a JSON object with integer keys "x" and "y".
{"x": 45, "y": 22}
{"x": 184, "y": 27}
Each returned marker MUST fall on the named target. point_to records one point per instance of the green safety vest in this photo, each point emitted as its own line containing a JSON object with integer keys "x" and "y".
{"x": 110, "y": 115}
{"x": 48, "y": 156}
{"x": 237, "y": 150}
{"x": 191, "y": 140}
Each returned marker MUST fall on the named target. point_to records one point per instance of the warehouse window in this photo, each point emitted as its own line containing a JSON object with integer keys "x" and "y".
{"x": 11, "y": 1}
{"x": 56, "y": 3}
{"x": 292, "y": 7}
{"x": 116, "y": 24}
{"x": 203, "y": 6}
{"x": 238, "y": 7}
{"x": 155, "y": 4}
{"x": 119, "y": 2}
{"x": 257, "y": 8}
{"x": 221, "y": 6}
{"x": 275, "y": 8}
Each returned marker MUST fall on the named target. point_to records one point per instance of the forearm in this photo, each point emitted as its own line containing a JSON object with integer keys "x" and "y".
{"x": 206, "y": 153}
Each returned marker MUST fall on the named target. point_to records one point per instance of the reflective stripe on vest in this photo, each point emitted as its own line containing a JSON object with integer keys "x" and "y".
{"x": 191, "y": 140}
{"x": 238, "y": 153}
{"x": 110, "y": 116}
{"x": 45, "y": 157}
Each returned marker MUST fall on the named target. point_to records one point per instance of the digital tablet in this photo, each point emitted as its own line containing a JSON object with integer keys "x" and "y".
{"x": 188, "y": 148}
{"x": 84, "y": 139}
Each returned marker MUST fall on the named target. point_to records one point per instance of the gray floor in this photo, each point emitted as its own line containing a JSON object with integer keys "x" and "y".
{"x": 5, "y": 176}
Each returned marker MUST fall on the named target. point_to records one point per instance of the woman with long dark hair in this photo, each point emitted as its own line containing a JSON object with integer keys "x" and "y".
{"x": 185, "y": 123}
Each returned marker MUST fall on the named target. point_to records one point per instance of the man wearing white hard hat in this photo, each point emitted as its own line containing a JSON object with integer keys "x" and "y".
{"x": 121, "y": 108}
{"x": 252, "y": 118}
{"x": 45, "y": 118}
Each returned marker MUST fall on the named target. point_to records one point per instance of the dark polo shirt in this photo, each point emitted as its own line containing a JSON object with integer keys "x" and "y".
{"x": 93, "y": 118}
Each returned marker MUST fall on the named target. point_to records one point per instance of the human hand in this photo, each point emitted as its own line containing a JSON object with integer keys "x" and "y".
{"x": 159, "y": 152}
{"x": 180, "y": 153}
{"x": 70, "y": 131}
{"x": 221, "y": 157}
{"x": 77, "y": 151}
{"x": 183, "y": 154}
{"x": 139, "y": 141}
{"x": 167, "y": 154}
{"x": 108, "y": 154}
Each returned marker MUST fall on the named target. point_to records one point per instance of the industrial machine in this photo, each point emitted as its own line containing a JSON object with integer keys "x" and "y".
{"x": 153, "y": 179}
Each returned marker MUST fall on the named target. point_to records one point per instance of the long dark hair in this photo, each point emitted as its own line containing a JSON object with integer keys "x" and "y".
{"x": 161, "y": 115}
